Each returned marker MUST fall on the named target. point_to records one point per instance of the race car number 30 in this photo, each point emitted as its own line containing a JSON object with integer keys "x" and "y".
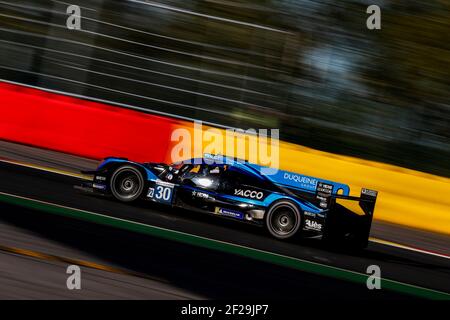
{"x": 161, "y": 192}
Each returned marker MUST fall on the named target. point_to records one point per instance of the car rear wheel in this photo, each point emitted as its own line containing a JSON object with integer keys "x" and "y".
{"x": 127, "y": 184}
{"x": 283, "y": 220}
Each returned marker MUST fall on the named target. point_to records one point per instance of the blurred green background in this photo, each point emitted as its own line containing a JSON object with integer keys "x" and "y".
{"x": 310, "y": 68}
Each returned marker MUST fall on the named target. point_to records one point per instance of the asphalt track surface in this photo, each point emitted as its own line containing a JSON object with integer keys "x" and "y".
{"x": 186, "y": 271}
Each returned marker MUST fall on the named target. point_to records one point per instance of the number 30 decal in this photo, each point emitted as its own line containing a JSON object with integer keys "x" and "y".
{"x": 163, "y": 193}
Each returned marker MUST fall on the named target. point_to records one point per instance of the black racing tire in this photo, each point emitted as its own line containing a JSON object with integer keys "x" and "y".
{"x": 283, "y": 219}
{"x": 127, "y": 183}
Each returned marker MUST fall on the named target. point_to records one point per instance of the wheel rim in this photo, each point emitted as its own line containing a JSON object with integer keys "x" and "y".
{"x": 126, "y": 184}
{"x": 283, "y": 220}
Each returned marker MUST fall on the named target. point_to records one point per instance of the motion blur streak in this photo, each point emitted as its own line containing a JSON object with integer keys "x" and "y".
{"x": 135, "y": 68}
{"x": 158, "y": 5}
{"x": 147, "y": 70}
{"x": 48, "y": 169}
{"x": 407, "y": 197}
{"x": 140, "y": 31}
{"x": 144, "y": 82}
{"x": 144, "y": 44}
{"x": 226, "y": 74}
{"x": 330, "y": 83}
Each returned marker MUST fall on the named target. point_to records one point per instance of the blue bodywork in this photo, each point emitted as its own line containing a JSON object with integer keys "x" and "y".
{"x": 281, "y": 178}
{"x": 240, "y": 190}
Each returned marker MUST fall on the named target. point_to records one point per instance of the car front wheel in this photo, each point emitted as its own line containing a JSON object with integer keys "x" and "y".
{"x": 127, "y": 184}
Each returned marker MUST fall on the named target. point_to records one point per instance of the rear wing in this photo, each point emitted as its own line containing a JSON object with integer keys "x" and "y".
{"x": 325, "y": 196}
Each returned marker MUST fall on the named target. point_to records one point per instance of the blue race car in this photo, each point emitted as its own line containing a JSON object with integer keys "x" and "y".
{"x": 286, "y": 203}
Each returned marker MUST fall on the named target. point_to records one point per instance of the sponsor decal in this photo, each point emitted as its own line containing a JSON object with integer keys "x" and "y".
{"x": 200, "y": 194}
{"x": 369, "y": 192}
{"x": 311, "y": 214}
{"x": 324, "y": 188}
{"x": 99, "y": 186}
{"x": 164, "y": 183}
{"x": 229, "y": 213}
{"x": 252, "y": 194}
{"x": 302, "y": 180}
{"x": 212, "y": 156}
{"x": 100, "y": 178}
{"x": 323, "y": 193}
{"x": 161, "y": 192}
{"x": 313, "y": 225}
{"x": 215, "y": 170}
{"x": 323, "y": 202}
